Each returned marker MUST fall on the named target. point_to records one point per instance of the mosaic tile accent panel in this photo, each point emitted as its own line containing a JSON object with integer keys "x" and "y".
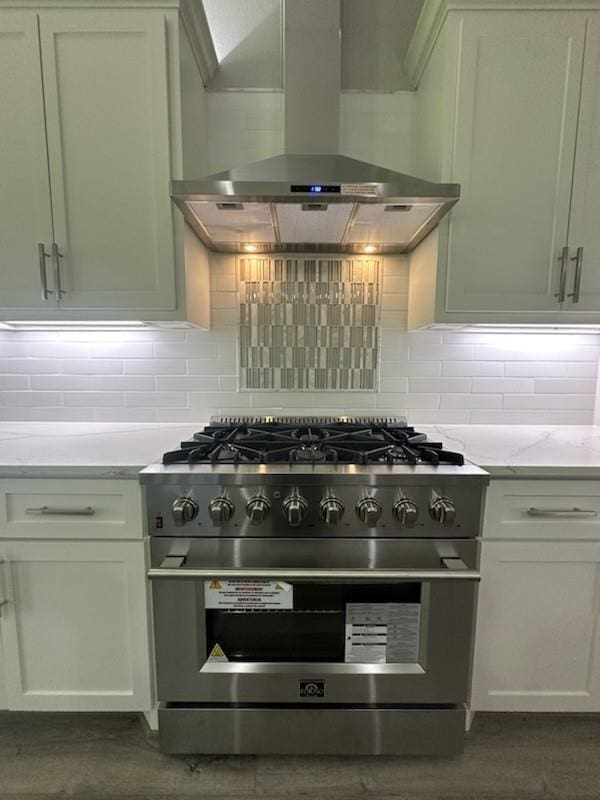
{"x": 309, "y": 324}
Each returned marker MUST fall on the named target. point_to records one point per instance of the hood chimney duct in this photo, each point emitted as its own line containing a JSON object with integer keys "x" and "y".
{"x": 312, "y": 74}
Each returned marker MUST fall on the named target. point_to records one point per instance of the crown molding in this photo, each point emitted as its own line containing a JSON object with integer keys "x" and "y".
{"x": 196, "y": 26}
{"x": 434, "y": 12}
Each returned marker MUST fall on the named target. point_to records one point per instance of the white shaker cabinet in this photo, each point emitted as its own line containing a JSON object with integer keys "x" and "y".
{"x": 583, "y": 285}
{"x": 92, "y": 133}
{"x": 503, "y": 109}
{"x": 74, "y": 626}
{"x": 25, "y": 214}
{"x": 537, "y": 643}
{"x": 74, "y": 618}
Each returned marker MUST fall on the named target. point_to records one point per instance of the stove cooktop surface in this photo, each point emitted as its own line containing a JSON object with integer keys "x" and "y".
{"x": 311, "y": 441}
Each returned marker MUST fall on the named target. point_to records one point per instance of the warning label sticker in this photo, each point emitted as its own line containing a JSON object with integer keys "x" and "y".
{"x": 217, "y": 654}
{"x": 248, "y": 595}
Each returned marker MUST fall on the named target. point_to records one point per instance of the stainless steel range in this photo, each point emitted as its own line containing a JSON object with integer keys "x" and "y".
{"x": 314, "y": 585}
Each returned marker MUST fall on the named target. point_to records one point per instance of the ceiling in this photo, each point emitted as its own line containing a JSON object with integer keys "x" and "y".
{"x": 247, "y": 36}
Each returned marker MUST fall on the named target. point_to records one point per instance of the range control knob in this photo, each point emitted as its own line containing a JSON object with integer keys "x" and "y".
{"x": 184, "y": 509}
{"x": 368, "y": 511}
{"x": 294, "y": 509}
{"x": 258, "y": 509}
{"x": 443, "y": 510}
{"x": 406, "y": 511}
{"x": 331, "y": 509}
{"x": 220, "y": 510}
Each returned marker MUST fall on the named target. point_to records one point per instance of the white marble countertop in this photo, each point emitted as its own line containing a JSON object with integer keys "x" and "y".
{"x": 82, "y": 449}
{"x": 86, "y": 449}
{"x": 534, "y": 451}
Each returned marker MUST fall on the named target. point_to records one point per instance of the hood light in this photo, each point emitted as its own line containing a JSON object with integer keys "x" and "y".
{"x": 369, "y": 248}
{"x": 250, "y": 248}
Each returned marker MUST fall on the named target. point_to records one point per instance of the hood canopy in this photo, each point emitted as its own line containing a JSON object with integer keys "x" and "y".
{"x": 319, "y": 203}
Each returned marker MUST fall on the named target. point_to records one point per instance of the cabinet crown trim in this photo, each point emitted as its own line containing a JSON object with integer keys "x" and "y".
{"x": 434, "y": 12}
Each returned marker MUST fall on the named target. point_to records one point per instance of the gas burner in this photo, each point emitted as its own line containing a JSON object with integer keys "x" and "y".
{"x": 311, "y": 441}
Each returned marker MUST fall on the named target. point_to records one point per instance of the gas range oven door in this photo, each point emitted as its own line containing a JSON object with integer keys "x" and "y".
{"x": 280, "y": 621}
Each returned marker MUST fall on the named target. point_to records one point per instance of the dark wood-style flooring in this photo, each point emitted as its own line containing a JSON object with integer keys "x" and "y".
{"x": 77, "y": 756}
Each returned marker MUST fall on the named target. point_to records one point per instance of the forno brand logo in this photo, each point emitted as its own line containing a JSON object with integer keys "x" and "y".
{"x": 312, "y": 688}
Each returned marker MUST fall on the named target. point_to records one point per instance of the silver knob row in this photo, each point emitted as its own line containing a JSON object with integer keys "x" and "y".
{"x": 331, "y": 509}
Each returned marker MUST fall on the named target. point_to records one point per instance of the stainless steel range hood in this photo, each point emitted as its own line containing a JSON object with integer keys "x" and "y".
{"x": 312, "y": 202}
{"x": 320, "y": 203}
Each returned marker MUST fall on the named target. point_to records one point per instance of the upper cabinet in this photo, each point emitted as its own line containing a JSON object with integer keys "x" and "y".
{"x": 94, "y": 135}
{"x": 507, "y": 106}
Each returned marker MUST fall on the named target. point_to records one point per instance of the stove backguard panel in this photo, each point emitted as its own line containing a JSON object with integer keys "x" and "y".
{"x": 309, "y": 324}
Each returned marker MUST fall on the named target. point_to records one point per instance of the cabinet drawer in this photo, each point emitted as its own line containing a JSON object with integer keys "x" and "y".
{"x": 65, "y": 508}
{"x": 542, "y": 510}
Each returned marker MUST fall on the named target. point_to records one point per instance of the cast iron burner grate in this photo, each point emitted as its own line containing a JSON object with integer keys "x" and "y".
{"x": 306, "y": 441}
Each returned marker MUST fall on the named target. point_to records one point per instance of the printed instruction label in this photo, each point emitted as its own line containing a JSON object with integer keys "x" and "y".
{"x": 359, "y": 188}
{"x": 382, "y": 633}
{"x": 248, "y": 595}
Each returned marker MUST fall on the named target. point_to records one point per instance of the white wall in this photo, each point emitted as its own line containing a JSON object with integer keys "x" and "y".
{"x": 189, "y": 375}
{"x": 378, "y": 128}
{"x": 243, "y": 127}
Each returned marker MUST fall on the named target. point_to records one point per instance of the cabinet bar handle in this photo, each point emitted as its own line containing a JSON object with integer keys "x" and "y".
{"x": 562, "y": 282}
{"x": 43, "y": 255}
{"x": 88, "y": 511}
{"x": 56, "y": 257}
{"x": 561, "y": 512}
{"x": 578, "y": 259}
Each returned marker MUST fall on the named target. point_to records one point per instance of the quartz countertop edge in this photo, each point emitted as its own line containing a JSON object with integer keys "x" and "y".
{"x": 121, "y": 450}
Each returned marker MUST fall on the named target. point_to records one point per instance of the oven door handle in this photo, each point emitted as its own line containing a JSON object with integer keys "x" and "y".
{"x": 325, "y": 575}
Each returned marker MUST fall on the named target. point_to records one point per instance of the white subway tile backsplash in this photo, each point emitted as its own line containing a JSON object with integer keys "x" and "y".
{"x": 196, "y": 349}
{"x": 123, "y": 350}
{"x": 521, "y": 417}
{"x": 392, "y": 401}
{"x": 108, "y": 414}
{"x": 155, "y": 399}
{"x": 394, "y": 384}
{"x": 61, "y": 383}
{"x": 124, "y": 383}
{"x": 187, "y": 383}
{"x": 440, "y": 384}
{"x": 430, "y": 376}
{"x": 566, "y": 386}
{"x": 28, "y": 366}
{"x": 30, "y": 399}
{"x": 90, "y": 366}
{"x": 154, "y": 366}
{"x": 474, "y": 369}
{"x": 440, "y": 352}
{"x": 471, "y": 401}
{"x": 212, "y": 366}
{"x": 534, "y": 351}
{"x": 13, "y": 382}
{"x": 549, "y": 401}
{"x": 99, "y": 398}
{"x": 503, "y": 385}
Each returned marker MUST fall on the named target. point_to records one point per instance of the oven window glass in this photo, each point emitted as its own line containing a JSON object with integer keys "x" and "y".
{"x": 318, "y": 627}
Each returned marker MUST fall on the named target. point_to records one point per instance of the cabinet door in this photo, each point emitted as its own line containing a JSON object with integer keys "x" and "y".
{"x": 105, "y": 86}
{"x": 584, "y": 230}
{"x": 25, "y": 218}
{"x": 75, "y": 630}
{"x": 514, "y": 145}
{"x": 537, "y": 643}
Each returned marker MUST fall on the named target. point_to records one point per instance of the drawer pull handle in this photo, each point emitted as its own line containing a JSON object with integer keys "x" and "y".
{"x": 561, "y": 512}
{"x": 88, "y": 511}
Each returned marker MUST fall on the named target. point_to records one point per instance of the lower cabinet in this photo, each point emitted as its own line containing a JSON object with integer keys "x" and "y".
{"x": 538, "y": 626}
{"x": 74, "y": 626}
